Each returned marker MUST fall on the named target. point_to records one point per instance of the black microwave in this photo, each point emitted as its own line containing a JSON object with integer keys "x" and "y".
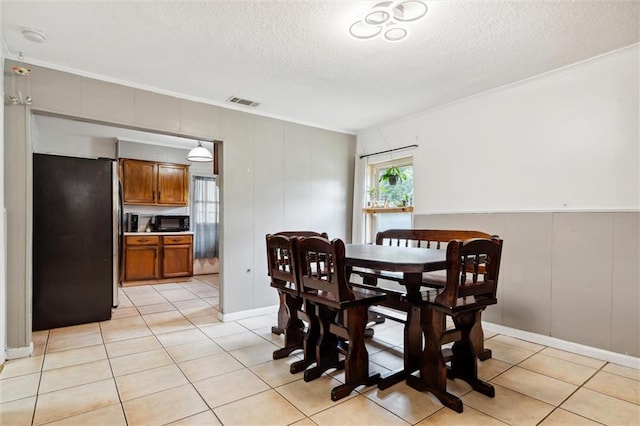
{"x": 171, "y": 223}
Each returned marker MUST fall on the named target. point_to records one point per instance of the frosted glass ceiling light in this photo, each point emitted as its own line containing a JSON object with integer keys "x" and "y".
{"x": 200, "y": 154}
{"x": 362, "y": 31}
{"x": 386, "y": 18}
{"x": 395, "y": 34}
{"x": 409, "y": 11}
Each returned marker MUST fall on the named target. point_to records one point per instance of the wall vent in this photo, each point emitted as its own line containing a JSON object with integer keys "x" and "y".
{"x": 245, "y": 102}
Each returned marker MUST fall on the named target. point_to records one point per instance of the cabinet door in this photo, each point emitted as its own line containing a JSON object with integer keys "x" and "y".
{"x": 173, "y": 184}
{"x": 138, "y": 181}
{"x": 177, "y": 260}
{"x": 141, "y": 263}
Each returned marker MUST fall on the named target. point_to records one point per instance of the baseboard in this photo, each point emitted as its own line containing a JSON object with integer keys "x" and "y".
{"x": 248, "y": 313}
{"x": 552, "y": 342}
{"x": 23, "y": 352}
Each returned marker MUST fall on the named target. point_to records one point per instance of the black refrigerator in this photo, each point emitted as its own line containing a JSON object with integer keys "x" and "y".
{"x": 76, "y": 240}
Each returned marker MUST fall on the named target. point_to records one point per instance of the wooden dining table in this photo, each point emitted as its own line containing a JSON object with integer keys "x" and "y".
{"x": 411, "y": 262}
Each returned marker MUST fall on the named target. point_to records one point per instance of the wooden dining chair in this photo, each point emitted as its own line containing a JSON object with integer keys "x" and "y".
{"x": 425, "y": 238}
{"x": 471, "y": 285}
{"x": 283, "y": 312}
{"x": 340, "y": 310}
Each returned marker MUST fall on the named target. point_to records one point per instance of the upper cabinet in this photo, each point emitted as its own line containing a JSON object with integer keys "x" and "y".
{"x": 151, "y": 183}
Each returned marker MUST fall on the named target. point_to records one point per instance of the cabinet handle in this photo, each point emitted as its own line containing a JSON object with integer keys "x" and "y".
{"x": 175, "y": 240}
{"x": 143, "y": 240}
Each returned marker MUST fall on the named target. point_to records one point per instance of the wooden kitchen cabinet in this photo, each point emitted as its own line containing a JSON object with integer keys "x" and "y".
{"x": 152, "y": 257}
{"x": 177, "y": 256}
{"x": 151, "y": 183}
{"x": 141, "y": 258}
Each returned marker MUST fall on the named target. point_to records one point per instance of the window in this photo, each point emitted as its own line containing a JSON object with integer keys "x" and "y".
{"x": 389, "y": 205}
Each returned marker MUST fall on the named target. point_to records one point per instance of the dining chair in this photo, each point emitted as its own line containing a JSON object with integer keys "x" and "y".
{"x": 283, "y": 312}
{"x": 471, "y": 284}
{"x": 340, "y": 310}
{"x": 425, "y": 238}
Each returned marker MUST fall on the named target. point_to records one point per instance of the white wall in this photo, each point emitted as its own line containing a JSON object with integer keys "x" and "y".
{"x": 566, "y": 140}
{"x": 3, "y": 250}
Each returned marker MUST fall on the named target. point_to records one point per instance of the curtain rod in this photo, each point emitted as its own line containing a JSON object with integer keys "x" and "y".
{"x": 389, "y": 150}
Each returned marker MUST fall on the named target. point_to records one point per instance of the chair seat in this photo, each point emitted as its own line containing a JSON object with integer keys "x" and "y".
{"x": 287, "y": 287}
{"x": 362, "y": 297}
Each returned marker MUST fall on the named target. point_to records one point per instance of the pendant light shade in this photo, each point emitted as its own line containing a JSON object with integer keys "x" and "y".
{"x": 200, "y": 154}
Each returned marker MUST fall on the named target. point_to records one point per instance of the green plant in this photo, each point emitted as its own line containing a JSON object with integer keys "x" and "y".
{"x": 392, "y": 175}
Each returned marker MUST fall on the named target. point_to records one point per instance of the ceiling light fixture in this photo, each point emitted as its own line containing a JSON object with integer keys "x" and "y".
{"x": 200, "y": 154}
{"x": 34, "y": 35}
{"x": 385, "y": 18}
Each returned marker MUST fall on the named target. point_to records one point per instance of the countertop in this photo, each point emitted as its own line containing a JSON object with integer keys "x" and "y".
{"x": 139, "y": 234}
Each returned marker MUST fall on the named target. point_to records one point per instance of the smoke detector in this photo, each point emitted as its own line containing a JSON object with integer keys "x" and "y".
{"x": 34, "y": 35}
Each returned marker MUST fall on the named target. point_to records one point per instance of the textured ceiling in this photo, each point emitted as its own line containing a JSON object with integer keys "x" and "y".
{"x": 297, "y": 59}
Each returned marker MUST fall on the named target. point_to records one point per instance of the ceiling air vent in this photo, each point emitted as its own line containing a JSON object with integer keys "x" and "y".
{"x": 241, "y": 101}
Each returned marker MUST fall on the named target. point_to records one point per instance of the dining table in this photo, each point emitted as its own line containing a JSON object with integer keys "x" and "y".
{"x": 412, "y": 262}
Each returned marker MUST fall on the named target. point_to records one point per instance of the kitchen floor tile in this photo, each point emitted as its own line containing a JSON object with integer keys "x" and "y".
{"x": 61, "y": 339}
{"x": 266, "y": 408}
{"x": 230, "y": 387}
{"x": 124, "y": 313}
{"x": 181, "y": 337}
{"x": 74, "y": 375}
{"x": 509, "y": 406}
{"x": 151, "y": 299}
{"x": 166, "y": 287}
{"x": 359, "y": 411}
{"x": 602, "y": 408}
{"x": 392, "y": 359}
{"x": 191, "y": 304}
{"x": 617, "y": 386}
{"x": 73, "y": 401}
{"x": 164, "y": 407}
{"x": 160, "y": 307}
{"x": 178, "y": 295}
{"x": 124, "y": 329}
{"x": 74, "y": 356}
{"x": 132, "y": 346}
{"x": 254, "y": 354}
{"x": 239, "y": 340}
{"x": 470, "y": 417}
{"x": 167, "y": 322}
{"x": 204, "y": 418}
{"x": 558, "y": 368}
{"x": 266, "y": 334}
{"x": 21, "y": 366}
{"x": 393, "y": 335}
{"x": 205, "y": 320}
{"x": 223, "y": 329}
{"x": 252, "y": 323}
{"x": 112, "y": 415}
{"x": 575, "y": 358}
{"x": 490, "y": 368}
{"x": 518, "y": 343}
{"x": 19, "y": 387}
{"x": 193, "y": 350}
{"x": 405, "y": 402}
{"x": 139, "y": 362}
{"x": 276, "y": 372}
{"x": 209, "y": 366}
{"x": 561, "y": 417}
{"x": 18, "y": 412}
{"x": 39, "y": 339}
{"x": 508, "y": 353}
{"x": 538, "y": 386}
{"x": 631, "y": 373}
{"x": 312, "y": 397}
{"x": 146, "y": 382}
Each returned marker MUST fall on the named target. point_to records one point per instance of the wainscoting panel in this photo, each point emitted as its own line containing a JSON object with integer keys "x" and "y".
{"x": 574, "y": 276}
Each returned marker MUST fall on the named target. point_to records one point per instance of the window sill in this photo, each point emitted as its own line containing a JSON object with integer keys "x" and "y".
{"x": 373, "y": 210}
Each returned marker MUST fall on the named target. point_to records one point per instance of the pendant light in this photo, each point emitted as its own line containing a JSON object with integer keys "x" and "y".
{"x": 200, "y": 154}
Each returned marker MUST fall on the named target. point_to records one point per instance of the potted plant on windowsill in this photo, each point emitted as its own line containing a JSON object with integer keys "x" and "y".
{"x": 393, "y": 175}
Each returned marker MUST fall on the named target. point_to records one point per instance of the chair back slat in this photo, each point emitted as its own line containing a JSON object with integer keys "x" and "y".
{"x": 321, "y": 267}
{"x": 425, "y": 238}
{"x": 280, "y": 260}
{"x": 472, "y": 272}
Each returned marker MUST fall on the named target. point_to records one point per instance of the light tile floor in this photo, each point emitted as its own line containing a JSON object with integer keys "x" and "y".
{"x": 165, "y": 358}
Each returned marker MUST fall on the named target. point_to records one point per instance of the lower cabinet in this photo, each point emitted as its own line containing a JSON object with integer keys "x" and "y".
{"x": 177, "y": 256}
{"x": 153, "y": 257}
